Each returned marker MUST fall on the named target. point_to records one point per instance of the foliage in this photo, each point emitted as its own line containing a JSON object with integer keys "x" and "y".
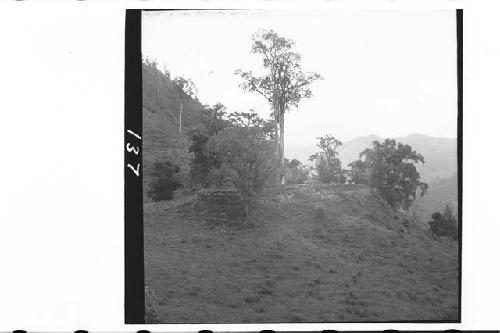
{"x": 343, "y": 176}
{"x": 448, "y": 215}
{"x": 222, "y": 177}
{"x": 328, "y": 165}
{"x": 390, "y": 168}
{"x": 212, "y": 121}
{"x": 444, "y": 225}
{"x": 164, "y": 184}
{"x": 359, "y": 172}
{"x": 284, "y": 84}
{"x": 164, "y": 95}
{"x": 295, "y": 172}
{"x": 187, "y": 86}
{"x": 248, "y": 154}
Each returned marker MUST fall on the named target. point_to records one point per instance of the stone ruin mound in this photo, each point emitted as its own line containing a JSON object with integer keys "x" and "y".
{"x": 221, "y": 206}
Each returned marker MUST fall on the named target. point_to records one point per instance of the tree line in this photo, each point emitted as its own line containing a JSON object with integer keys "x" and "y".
{"x": 243, "y": 151}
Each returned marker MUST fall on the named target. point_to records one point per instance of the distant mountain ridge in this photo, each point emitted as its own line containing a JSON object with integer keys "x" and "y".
{"x": 440, "y": 154}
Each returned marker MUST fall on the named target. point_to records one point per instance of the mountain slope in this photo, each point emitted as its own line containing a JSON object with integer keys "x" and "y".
{"x": 162, "y": 138}
{"x": 315, "y": 253}
{"x": 441, "y": 192}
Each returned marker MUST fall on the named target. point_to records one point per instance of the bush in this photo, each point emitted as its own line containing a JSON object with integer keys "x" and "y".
{"x": 295, "y": 172}
{"x": 222, "y": 177}
{"x": 444, "y": 225}
{"x": 164, "y": 184}
{"x": 212, "y": 122}
{"x": 359, "y": 173}
{"x": 249, "y": 157}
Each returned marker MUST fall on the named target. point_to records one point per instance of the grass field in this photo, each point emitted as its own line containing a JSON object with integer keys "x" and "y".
{"x": 309, "y": 254}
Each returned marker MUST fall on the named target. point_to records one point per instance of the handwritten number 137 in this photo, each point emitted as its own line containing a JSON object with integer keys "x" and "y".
{"x": 135, "y": 150}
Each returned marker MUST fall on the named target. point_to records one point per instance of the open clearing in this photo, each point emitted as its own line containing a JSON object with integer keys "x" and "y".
{"x": 311, "y": 254}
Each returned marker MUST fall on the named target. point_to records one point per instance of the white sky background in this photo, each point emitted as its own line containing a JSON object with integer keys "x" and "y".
{"x": 391, "y": 73}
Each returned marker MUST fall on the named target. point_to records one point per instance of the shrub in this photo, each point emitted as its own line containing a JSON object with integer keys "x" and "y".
{"x": 295, "y": 172}
{"x": 222, "y": 177}
{"x": 359, "y": 172}
{"x": 444, "y": 225}
{"x": 212, "y": 122}
{"x": 249, "y": 155}
{"x": 164, "y": 184}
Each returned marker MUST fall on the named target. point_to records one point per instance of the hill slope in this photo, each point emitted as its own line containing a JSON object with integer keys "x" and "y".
{"x": 441, "y": 193}
{"x": 313, "y": 253}
{"x": 162, "y": 139}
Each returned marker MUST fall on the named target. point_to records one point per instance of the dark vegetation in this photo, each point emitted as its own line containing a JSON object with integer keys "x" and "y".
{"x": 164, "y": 184}
{"x": 389, "y": 167}
{"x": 441, "y": 193}
{"x": 245, "y": 156}
{"x": 296, "y": 172}
{"x": 445, "y": 224}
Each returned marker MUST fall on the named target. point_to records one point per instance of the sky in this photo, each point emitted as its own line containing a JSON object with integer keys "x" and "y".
{"x": 390, "y": 73}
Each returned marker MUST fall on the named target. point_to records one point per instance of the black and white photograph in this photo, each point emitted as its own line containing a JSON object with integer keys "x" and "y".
{"x": 249, "y": 166}
{"x": 301, "y": 166}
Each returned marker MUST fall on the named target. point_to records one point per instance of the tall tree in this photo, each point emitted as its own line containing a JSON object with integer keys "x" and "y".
{"x": 284, "y": 84}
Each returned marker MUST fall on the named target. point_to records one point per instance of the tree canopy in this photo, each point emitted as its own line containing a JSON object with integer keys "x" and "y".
{"x": 245, "y": 155}
{"x": 283, "y": 84}
{"x": 328, "y": 165}
{"x": 390, "y": 168}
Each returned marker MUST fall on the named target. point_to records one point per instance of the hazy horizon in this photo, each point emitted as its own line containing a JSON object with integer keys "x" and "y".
{"x": 387, "y": 73}
{"x": 302, "y": 152}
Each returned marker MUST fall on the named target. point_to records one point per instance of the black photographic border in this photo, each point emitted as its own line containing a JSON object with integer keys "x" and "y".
{"x": 134, "y": 227}
{"x": 134, "y": 241}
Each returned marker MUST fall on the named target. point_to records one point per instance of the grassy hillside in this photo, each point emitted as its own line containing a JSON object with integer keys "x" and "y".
{"x": 162, "y": 140}
{"x": 313, "y": 253}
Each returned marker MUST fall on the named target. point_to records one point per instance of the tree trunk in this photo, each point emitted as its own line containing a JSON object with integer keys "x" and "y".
{"x": 277, "y": 135}
{"x": 282, "y": 146}
{"x": 276, "y": 112}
